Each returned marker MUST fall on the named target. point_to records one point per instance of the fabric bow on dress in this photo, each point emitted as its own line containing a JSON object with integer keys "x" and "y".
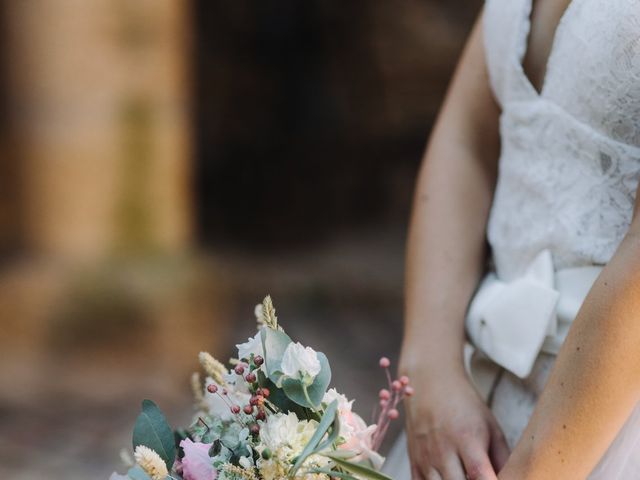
{"x": 510, "y": 323}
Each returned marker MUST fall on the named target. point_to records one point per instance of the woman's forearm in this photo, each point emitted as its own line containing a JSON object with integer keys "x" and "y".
{"x": 595, "y": 382}
{"x": 446, "y": 245}
{"x": 445, "y": 255}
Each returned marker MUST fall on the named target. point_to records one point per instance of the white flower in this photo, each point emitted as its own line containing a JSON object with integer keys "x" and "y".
{"x": 252, "y": 345}
{"x": 359, "y": 439}
{"x": 285, "y": 436}
{"x": 344, "y": 411}
{"x": 344, "y": 404}
{"x": 246, "y": 462}
{"x": 150, "y": 462}
{"x": 300, "y": 362}
{"x": 356, "y": 434}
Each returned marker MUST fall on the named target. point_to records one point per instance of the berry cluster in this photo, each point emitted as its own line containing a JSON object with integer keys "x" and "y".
{"x": 255, "y": 409}
{"x": 389, "y": 398}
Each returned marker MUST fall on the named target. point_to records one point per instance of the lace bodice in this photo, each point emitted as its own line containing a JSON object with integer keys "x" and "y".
{"x": 570, "y": 159}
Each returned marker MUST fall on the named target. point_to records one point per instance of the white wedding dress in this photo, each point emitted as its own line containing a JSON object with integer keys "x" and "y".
{"x": 568, "y": 174}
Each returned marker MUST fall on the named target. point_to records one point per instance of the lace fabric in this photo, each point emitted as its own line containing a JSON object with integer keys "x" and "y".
{"x": 569, "y": 167}
{"x": 570, "y": 160}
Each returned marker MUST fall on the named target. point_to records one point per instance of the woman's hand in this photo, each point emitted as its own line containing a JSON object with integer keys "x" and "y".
{"x": 452, "y": 434}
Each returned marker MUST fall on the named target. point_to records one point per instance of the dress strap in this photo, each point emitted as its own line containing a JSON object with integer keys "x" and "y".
{"x": 506, "y": 26}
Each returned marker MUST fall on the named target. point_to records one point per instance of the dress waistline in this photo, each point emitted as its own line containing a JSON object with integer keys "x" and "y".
{"x": 510, "y": 323}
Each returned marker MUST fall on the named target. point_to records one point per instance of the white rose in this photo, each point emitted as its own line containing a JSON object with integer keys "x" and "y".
{"x": 344, "y": 411}
{"x": 300, "y": 362}
{"x": 252, "y": 345}
{"x": 344, "y": 404}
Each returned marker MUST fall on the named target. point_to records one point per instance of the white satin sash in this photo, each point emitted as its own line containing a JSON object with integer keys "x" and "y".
{"x": 510, "y": 323}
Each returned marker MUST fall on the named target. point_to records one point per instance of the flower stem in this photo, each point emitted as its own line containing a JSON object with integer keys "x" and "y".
{"x": 306, "y": 396}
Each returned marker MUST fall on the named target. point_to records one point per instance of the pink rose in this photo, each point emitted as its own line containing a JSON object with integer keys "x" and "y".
{"x": 196, "y": 464}
{"x": 360, "y": 438}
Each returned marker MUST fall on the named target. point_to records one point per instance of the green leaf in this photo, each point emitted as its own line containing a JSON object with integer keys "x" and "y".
{"x": 357, "y": 468}
{"x": 274, "y": 343}
{"x": 152, "y": 430}
{"x": 137, "y": 473}
{"x": 332, "y": 437}
{"x": 344, "y": 454}
{"x": 294, "y": 389}
{"x": 333, "y": 473}
{"x": 328, "y": 419}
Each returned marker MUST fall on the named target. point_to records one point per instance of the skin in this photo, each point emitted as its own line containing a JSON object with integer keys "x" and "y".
{"x": 452, "y": 434}
{"x": 450, "y": 429}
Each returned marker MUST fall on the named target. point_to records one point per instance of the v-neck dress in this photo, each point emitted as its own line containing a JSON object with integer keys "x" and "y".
{"x": 568, "y": 173}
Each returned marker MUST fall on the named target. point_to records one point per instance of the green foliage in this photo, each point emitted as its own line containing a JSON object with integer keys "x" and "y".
{"x": 329, "y": 419}
{"x": 152, "y": 430}
{"x": 295, "y": 389}
{"x": 274, "y": 343}
{"x": 137, "y": 473}
{"x": 358, "y": 469}
{"x": 333, "y": 473}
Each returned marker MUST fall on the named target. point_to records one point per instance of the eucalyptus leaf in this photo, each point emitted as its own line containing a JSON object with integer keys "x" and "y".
{"x": 137, "y": 473}
{"x": 343, "y": 454}
{"x": 357, "y": 468}
{"x": 333, "y": 473}
{"x": 274, "y": 343}
{"x": 152, "y": 430}
{"x": 332, "y": 437}
{"x": 294, "y": 389}
{"x": 328, "y": 419}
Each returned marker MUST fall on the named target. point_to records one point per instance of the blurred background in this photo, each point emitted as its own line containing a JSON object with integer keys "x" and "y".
{"x": 164, "y": 164}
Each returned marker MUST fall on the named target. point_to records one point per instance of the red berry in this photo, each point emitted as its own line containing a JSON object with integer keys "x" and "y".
{"x": 265, "y": 392}
{"x": 261, "y": 415}
{"x": 404, "y": 380}
{"x": 239, "y": 369}
{"x": 254, "y": 429}
{"x": 248, "y": 409}
{"x": 383, "y": 403}
{"x": 235, "y": 409}
{"x": 258, "y": 360}
{"x": 251, "y": 377}
{"x": 385, "y": 362}
{"x": 212, "y": 388}
{"x": 408, "y": 391}
{"x": 393, "y": 414}
{"x": 396, "y": 385}
{"x": 384, "y": 394}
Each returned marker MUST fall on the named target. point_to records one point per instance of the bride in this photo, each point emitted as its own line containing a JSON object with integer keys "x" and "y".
{"x": 538, "y": 147}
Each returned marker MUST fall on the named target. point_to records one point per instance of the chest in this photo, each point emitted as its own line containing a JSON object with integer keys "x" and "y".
{"x": 545, "y": 16}
{"x": 582, "y": 56}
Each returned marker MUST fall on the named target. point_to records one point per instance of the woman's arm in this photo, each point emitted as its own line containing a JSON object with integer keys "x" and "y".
{"x": 448, "y": 424}
{"x": 595, "y": 382}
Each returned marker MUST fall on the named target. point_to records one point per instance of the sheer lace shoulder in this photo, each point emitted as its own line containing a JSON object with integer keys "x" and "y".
{"x": 570, "y": 161}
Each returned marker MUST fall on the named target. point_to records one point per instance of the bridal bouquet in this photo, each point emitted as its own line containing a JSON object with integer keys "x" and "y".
{"x": 270, "y": 417}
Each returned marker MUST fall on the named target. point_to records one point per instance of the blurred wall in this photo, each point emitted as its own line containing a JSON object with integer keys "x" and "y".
{"x": 312, "y": 116}
{"x": 166, "y": 163}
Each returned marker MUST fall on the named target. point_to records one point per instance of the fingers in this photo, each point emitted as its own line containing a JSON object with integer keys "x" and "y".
{"x": 433, "y": 474}
{"x": 416, "y": 474}
{"x": 476, "y": 463}
{"x": 452, "y": 469}
{"x": 499, "y": 450}
{"x": 437, "y": 460}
